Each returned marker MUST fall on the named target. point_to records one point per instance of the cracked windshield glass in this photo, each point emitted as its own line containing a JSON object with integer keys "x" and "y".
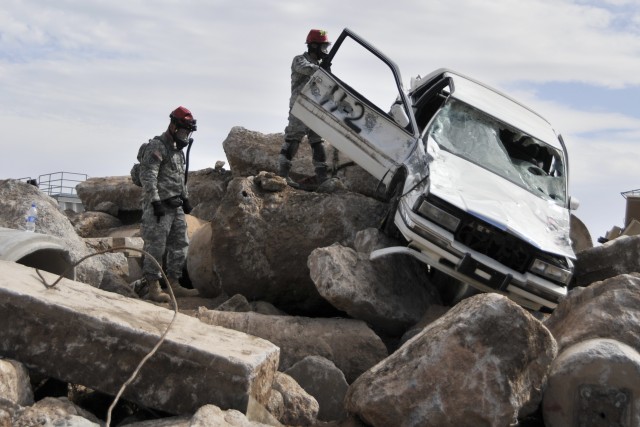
{"x": 469, "y": 133}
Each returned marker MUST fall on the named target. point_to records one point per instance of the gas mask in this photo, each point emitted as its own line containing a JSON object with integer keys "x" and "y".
{"x": 182, "y": 137}
{"x": 321, "y": 50}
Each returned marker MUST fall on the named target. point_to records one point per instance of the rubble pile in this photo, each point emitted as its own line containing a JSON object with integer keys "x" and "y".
{"x": 295, "y": 326}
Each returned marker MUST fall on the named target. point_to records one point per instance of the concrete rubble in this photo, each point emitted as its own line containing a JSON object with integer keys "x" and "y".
{"x": 201, "y": 364}
{"x": 294, "y": 325}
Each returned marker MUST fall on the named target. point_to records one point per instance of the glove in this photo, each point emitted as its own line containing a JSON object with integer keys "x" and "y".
{"x": 158, "y": 209}
{"x": 186, "y": 206}
{"x": 326, "y": 65}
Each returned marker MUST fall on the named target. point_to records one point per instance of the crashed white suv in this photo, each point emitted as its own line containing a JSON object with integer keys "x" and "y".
{"x": 477, "y": 182}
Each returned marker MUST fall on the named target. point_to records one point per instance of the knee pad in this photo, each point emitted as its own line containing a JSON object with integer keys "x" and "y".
{"x": 289, "y": 149}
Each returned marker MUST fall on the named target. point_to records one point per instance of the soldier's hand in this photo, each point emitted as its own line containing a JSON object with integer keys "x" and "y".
{"x": 186, "y": 206}
{"x": 158, "y": 209}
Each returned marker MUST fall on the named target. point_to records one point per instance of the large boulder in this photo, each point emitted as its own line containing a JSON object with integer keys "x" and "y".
{"x": 251, "y": 152}
{"x": 118, "y": 190}
{"x": 606, "y": 309}
{"x": 391, "y": 293}
{"x": 206, "y": 188}
{"x": 325, "y": 382}
{"x": 482, "y": 363}
{"x": 618, "y": 256}
{"x": 580, "y": 237}
{"x": 261, "y": 239}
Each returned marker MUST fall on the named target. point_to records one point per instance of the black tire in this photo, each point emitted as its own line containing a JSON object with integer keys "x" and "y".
{"x": 451, "y": 290}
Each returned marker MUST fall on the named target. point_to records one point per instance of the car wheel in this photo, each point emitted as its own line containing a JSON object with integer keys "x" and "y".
{"x": 451, "y": 290}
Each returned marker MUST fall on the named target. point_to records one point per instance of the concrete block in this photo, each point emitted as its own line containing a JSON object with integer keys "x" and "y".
{"x": 83, "y": 335}
{"x": 633, "y": 229}
{"x": 595, "y": 383}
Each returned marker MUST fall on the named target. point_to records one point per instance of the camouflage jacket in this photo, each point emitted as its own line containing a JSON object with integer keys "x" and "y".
{"x": 302, "y": 67}
{"x": 162, "y": 170}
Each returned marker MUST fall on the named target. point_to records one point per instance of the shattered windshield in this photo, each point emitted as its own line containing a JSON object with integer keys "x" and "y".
{"x": 469, "y": 133}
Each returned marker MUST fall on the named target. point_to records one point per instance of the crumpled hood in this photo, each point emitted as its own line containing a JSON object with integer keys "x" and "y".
{"x": 501, "y": 203}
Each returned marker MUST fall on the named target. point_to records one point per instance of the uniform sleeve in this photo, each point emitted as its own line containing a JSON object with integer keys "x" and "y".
{"x": 150, "y": 167}
{"x": 303, "y": 66}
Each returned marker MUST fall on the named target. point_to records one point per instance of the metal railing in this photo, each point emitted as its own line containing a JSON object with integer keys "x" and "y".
{"x": 59, "y": 183}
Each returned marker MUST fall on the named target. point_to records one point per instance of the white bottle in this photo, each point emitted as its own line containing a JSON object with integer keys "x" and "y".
{"x": 31, "y": 218}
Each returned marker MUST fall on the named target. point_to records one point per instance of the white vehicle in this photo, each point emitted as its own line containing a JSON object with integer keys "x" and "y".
{"x": 477, "y": 182}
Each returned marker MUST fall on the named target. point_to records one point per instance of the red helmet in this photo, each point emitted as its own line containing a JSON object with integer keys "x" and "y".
{"x": 317, "y": 36}
{"x": 183, "y": 118}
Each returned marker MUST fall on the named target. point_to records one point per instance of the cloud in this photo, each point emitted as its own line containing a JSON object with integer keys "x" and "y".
{"x": 86, "y": 81}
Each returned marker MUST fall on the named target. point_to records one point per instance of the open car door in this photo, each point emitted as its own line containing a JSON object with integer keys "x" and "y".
{"x": 350, "y": 106}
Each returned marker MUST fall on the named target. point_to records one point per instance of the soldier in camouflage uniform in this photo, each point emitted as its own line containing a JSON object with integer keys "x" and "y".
{"x": 302, "y": 67}
{"x": 163, "y": 227}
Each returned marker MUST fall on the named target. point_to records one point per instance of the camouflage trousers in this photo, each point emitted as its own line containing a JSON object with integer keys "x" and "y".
{"x": 293, "y": 134}
{"x": 165, "y": 237}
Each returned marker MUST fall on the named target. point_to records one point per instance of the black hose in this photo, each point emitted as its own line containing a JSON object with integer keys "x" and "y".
{"x": 186, "y": 167}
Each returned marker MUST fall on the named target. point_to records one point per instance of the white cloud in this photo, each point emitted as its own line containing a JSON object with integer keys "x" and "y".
{"x": 85, "y": 81}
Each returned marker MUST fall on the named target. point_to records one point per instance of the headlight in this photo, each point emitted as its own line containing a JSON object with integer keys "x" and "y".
{"x": 550, "y": 271}
{"x": 437, "y": 215}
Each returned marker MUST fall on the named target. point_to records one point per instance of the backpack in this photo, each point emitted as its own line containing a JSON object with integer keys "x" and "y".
{"x": 135, "y": 170}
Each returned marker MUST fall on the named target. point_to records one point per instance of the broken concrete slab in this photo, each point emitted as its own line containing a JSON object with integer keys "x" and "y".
{"x": 350, "y": 344}
{"x": 79, "y": 334}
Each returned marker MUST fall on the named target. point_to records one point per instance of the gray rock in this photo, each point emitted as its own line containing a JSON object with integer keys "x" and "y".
{"x": 261, "y": 240}
{"x": 391, "y": 293}
{"x": 206, "y": 187}
{"x": 251, "y": 152}
{"x": 618, "y": 256}
{"x": 108, "y": 208}
{"x": 300, "y": 408}
{"x": 118, "y": 190}
{"x": 606, "y": 309}
{"x": 14, "y": 383}
{"x": 200, "y": 262}
{"x": 211, "y": 415}
{"x": 349, "y": 344}
{"x": 479, "y": 364}
{"x": 94, "y": 224}
{"x": 325, "y": 382}
{"x": 580, "y": 237}
{"x": 237, "y": 303}
{"x": 55, "y": 412}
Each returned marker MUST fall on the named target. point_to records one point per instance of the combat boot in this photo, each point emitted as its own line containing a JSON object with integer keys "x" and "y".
{"x": 284, "y": 166}
{"x": 156, "y": 294}
{"x": 179, "y": 290}
{"x": 321, "y": 174}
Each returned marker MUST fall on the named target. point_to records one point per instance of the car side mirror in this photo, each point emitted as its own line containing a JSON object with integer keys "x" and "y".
{"x": 574, "y": 203}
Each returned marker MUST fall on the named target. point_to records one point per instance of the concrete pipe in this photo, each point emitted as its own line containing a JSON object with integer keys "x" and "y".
{"x": 36, "y": 250}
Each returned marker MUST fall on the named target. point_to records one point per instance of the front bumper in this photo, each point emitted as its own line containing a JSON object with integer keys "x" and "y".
{"x": 436, "y": 247}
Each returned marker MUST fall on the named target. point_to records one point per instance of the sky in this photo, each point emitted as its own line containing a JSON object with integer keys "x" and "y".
{"x": 84, "y": 82}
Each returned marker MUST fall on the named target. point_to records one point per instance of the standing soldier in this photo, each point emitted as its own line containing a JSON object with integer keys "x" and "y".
{"x": 163, "y": 226}
{"x": 302, "y": 67}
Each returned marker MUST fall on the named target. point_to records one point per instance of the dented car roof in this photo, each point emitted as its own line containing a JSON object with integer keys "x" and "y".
{"x": 500, "y": 106}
